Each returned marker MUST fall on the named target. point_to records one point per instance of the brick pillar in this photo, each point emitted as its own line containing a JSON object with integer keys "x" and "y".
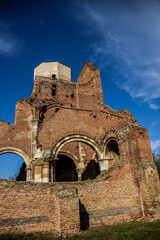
{"x": 69, "y": 210}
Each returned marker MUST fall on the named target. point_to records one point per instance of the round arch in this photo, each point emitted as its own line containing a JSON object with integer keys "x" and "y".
{"x": 18, "y": 152}
{"x": 76, "y": 138}
{"x": 107, "y": 142}
{"x": 110, "y": 134}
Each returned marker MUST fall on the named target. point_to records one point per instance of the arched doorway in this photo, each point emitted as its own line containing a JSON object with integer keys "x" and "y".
{"x": 12, "y": 167}
{"x": 65, "y": 169}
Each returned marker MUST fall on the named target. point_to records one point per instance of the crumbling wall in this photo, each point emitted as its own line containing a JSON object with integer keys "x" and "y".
{"x": 110, "y": 201}
{"x": 29, "y": 207}
{"x": 60, "y": 208}
{"x": 59, "y": 123}
{"x": 18, "y": 135}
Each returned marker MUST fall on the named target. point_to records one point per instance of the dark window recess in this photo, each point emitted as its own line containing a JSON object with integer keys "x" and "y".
{"x": 53, "y": 90}
{"x": 42, "y": 112}
{"x": 72, "y": 95}
{"x": 65, "y": 169}
{"x": 57, "y": 109}
{"x": 113, "y": 147}
{"x": 53, "y": 76}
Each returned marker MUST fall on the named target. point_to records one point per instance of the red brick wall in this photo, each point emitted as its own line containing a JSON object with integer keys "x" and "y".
{"x": 29, "y": 207}
{"x": 60, "y": 208}
{"x": 111, "y": 201}
{"x": 18, "y": 135}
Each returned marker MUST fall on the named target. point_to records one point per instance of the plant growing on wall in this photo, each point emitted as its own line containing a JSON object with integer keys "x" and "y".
{"x": 156, "y": 157}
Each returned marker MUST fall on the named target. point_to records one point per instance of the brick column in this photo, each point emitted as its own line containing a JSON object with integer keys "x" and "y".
{"x": 69, "y": 210}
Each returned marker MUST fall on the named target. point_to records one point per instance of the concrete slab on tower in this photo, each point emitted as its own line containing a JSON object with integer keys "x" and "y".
{"x": 53, "y": 70}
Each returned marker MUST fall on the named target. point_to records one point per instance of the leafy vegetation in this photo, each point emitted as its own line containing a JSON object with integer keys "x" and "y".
{"x": 13, "y": 177}
{"x": 125, "y": 231}
{"x": 156, "y": 157}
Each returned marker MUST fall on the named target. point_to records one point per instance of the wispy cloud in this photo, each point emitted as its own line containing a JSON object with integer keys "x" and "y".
{"x": 9, "y": 44}
{"x": 126, "y": 39}
{"x": 155, "y": 144}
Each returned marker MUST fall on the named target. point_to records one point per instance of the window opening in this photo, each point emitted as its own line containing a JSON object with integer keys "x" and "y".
{"x": 53, "y": 76}
{"x": 53, "y": 90}
{"x": 13, "y": 167}
{"x": 112, "y": 146}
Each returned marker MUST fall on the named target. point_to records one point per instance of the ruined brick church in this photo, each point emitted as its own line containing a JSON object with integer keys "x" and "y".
{"x": 85, "y": 164}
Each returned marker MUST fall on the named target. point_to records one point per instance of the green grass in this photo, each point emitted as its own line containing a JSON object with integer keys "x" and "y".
{"x": 125, "y": 231}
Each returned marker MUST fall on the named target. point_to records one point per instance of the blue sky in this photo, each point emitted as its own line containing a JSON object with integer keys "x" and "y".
{"x": 120, "y": 37}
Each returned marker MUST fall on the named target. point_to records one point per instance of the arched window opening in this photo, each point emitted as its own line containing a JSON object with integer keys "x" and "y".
{"x": 12, "y": 167}
{"x": 112, "y": 146}
{"x": 112, "y": 152}
{"x": 65, "y": 169}
{"x": 91, "y": 171}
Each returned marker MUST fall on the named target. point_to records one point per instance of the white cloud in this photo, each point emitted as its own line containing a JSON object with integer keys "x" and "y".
{"x": 126, "y": 39}
{"x": 153, "y": 106}
{"x": 155, "y": 144}
{"x": 9, "y": 44}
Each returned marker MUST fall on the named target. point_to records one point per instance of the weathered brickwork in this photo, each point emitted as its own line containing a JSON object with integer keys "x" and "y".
{"x": 27, "y": 207}
{"x": 87, "y": 165}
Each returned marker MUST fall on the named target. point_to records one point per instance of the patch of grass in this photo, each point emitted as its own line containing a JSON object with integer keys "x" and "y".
{"x": 125, "y": 231}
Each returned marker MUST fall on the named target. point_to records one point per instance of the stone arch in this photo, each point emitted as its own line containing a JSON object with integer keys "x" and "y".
{"x": 110, "y": 134}
{"x": 18, "y": 152}
{"x": 76, "y": 138}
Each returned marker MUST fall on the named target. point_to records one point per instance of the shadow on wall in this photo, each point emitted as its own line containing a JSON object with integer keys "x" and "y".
{"x": 91, "y": 171}
{"x": 84, "y": 217}
{"x": 22, "y": 174}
